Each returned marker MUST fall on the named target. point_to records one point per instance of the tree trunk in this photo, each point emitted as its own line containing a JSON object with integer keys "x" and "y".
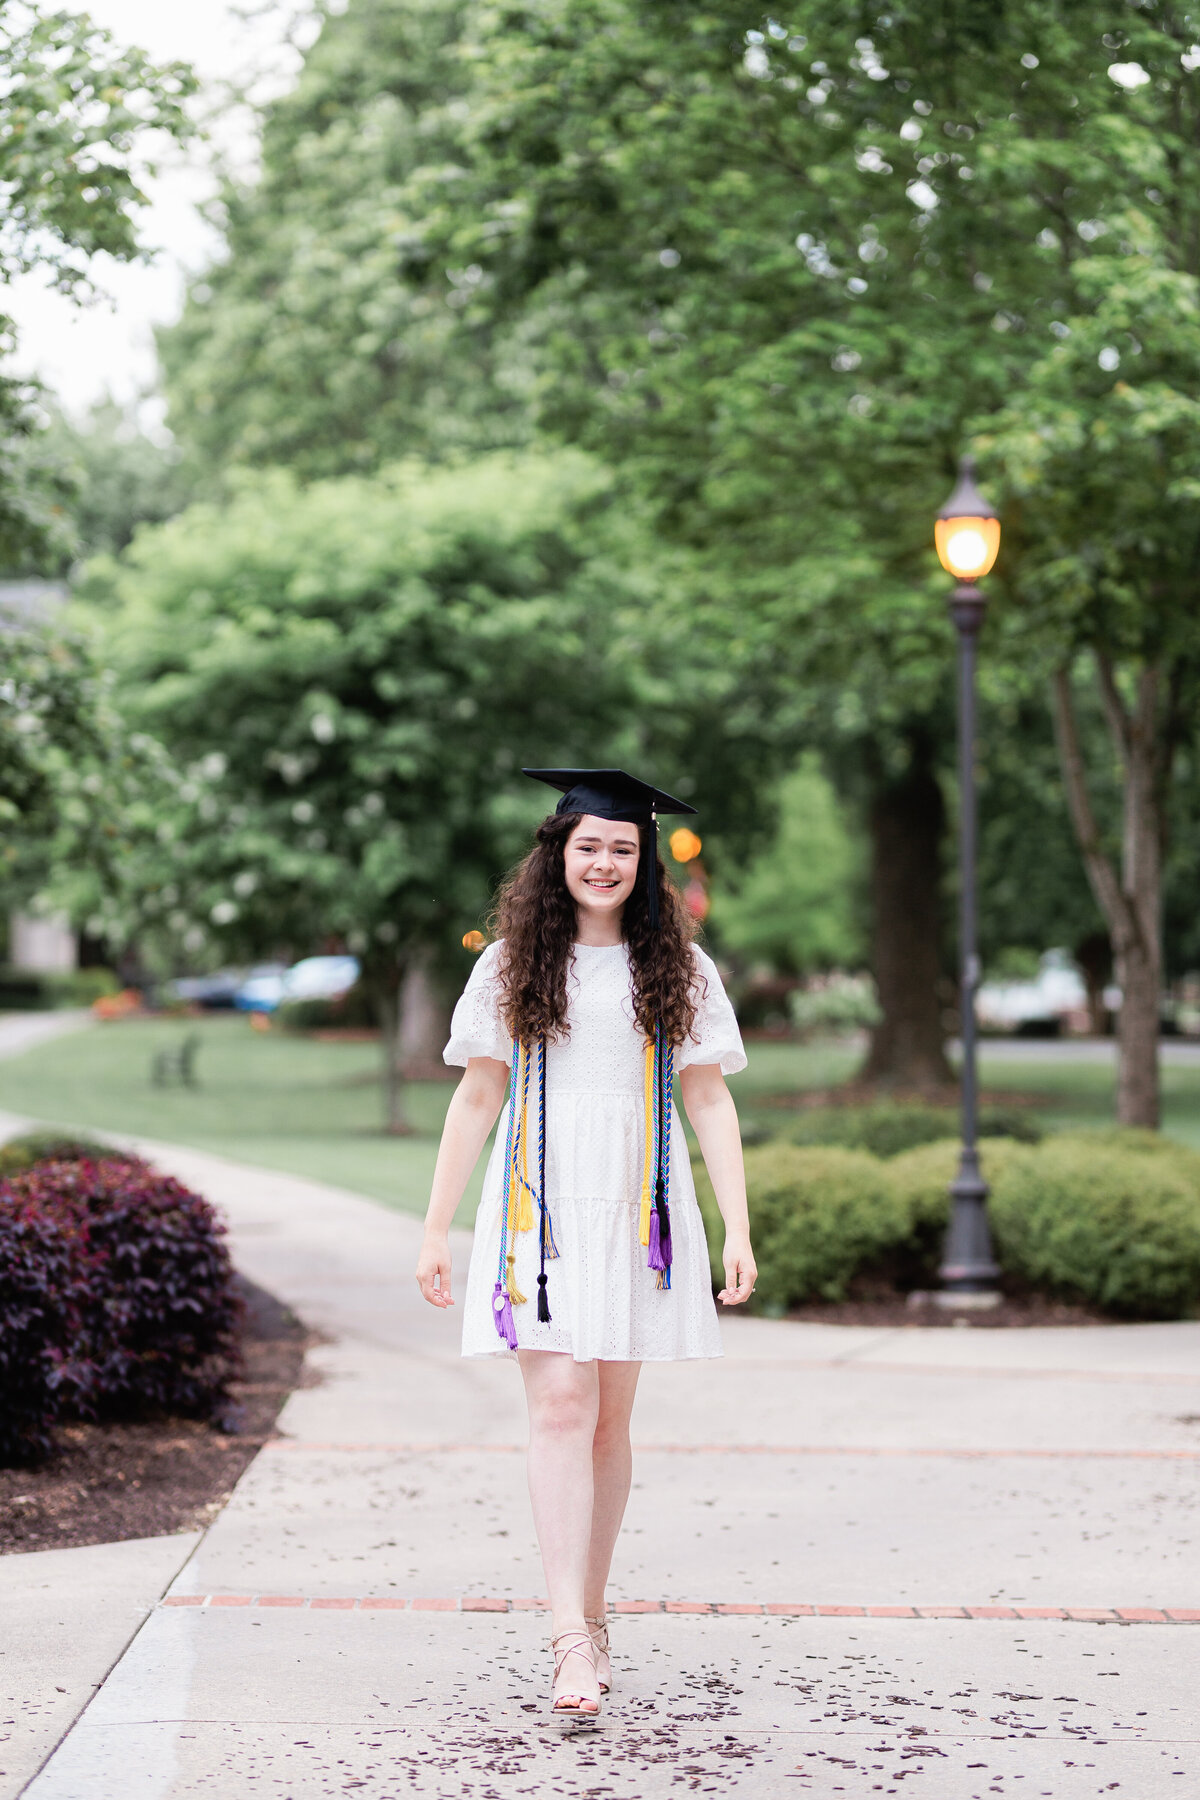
{"x": 1131, "y": 904}
{"x": 424, "y": 1026}
{"x": 907, "y": 822}
{"x": 387, "y": 1007}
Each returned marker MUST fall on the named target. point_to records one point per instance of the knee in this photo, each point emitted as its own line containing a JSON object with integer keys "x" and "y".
{"x": 566, "y": 1411}
{"x": 611, "y": 1436}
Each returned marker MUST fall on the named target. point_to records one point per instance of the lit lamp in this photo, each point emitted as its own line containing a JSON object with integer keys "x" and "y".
{"x": 967, "y": 536}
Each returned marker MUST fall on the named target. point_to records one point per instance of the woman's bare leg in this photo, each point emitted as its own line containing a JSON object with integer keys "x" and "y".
{"x": 612, "y": 1470}
{"x": 563, "y": 1397}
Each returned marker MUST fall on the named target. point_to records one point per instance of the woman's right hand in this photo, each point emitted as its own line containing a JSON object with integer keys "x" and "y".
{"x": 433, "y": 1271}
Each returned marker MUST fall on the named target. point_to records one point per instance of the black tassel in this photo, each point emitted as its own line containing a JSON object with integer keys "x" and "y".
{"x": 652, "y": 872}
{"x": 543, "y": 1304}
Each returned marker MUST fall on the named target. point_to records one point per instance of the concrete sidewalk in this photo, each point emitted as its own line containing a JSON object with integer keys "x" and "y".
{"x": 850, "y": 1565}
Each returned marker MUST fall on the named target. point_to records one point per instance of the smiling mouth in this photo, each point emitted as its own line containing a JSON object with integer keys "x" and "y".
{"x": 589, "y": 881}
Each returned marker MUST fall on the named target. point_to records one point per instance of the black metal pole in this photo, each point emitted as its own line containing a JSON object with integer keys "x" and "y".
{"x": 968, "y": 1266}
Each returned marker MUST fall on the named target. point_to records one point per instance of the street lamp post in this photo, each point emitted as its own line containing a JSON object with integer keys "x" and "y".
{"x": 967, "y": 535}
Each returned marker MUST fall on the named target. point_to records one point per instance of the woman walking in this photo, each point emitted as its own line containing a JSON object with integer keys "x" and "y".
{"x": 589, "y": 1255}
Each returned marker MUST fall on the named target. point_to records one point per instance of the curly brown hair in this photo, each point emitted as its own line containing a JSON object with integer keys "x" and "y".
{"x": 535, "y": 916}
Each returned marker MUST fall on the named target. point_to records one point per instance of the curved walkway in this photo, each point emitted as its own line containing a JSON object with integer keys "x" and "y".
{"x": 955, "y": 1562}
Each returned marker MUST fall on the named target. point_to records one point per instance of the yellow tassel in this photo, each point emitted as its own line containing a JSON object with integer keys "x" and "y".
{"x": 520, "y": 1217}
{"x": 648, "y": 1121}
{"x": 514, "y": 1292}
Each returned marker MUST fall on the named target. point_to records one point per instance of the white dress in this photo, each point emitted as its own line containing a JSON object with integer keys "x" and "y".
{"x": 604, "y": 1302}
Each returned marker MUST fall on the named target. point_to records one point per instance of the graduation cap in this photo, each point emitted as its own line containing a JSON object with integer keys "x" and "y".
{"x": 612, "y": 794}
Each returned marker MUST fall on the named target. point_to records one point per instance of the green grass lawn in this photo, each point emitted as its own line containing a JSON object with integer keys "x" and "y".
{"x": 313, "y": 1108}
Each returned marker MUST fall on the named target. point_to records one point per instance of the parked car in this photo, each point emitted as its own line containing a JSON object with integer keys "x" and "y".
{"x": 221, "y": 989}
{"x": 313, "y": 978}
{"x": 1054, "y": 998}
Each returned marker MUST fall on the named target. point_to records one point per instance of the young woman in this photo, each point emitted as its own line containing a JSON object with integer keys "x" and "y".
{"x": 589, "y": 1255}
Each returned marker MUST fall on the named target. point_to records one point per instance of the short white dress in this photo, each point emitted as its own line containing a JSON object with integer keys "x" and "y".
{"x": 604, "y": 1301}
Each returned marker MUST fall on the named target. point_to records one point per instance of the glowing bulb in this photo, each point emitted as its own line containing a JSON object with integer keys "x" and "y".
{"x": 967, "y": 546}
{"x": 474, "y": 940}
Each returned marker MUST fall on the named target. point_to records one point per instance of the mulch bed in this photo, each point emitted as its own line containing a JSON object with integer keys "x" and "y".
{"x": 892, "y": 1312}
{"x": 109, "y": 1482}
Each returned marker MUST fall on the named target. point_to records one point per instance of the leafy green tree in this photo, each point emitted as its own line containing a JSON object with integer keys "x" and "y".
{"x": 76, "y": 789}
{"x": 351, "y": 674}
{"x": 327, "y": 339}
{"x": 794, "y": 906}
{"x": 76, "y": 114}
{"x": 1101, "y": 453}
{"x": 110, "y": 477}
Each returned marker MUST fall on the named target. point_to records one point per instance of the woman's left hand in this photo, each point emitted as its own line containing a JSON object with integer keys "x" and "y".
{"x": 741, "y": 1271}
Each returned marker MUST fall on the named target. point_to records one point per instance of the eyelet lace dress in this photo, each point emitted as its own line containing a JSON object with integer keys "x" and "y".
{"x": 605, "y": 1303}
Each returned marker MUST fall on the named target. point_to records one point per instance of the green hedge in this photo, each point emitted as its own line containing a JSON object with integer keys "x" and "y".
{"x": 888, "y": 1127}
{"x": 1110, "y": 1219}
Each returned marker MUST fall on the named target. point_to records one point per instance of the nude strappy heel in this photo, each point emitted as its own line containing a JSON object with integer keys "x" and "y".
{"x": 598, "y": 1632}
{"x": 572, "y": 1643}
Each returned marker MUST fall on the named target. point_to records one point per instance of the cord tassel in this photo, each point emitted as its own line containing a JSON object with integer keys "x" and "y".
{"x": 520, "y": 1214}
{"x": 514, "y": 1292}
{"x": 502, "y": 1313}
{"x": 543, "y": 1304}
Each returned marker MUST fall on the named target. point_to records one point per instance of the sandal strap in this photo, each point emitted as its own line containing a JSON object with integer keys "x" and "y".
{"x": 598, "y": 1632}
{"x": 574, "y": 1643}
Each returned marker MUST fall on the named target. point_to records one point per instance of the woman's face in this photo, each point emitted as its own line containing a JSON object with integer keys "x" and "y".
{"x": 601, "y": 863}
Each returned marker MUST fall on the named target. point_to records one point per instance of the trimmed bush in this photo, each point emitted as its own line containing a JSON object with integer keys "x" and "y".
{"x": 117, "y": 1290}
{"x": 1115, "y": 1224}
{"x": 21, "y": 1153}
{"x": 38, "y": 1320}
{"x": 1110, "y": 1219}
{"x": 817, "y": 1217}
{"x": 352, "y": 1011}
{"x": 888, "y": 1128}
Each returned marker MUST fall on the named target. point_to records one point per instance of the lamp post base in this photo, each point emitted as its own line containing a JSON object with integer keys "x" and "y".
{"x": 968, "y": 1266}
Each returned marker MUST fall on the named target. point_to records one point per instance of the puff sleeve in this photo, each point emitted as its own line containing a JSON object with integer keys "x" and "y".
{"x": 716, "y": 1038}
{"x": 477, "y": 1028}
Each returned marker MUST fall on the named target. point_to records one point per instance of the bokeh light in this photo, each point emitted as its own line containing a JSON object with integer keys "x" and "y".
{"x": 685, "y": 845}
{"x": 474, "y": 940}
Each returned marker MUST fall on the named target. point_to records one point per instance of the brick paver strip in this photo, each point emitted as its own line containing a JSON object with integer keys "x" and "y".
{"x": 1039, "y": 1453}
{"x": 498, "y": 1603}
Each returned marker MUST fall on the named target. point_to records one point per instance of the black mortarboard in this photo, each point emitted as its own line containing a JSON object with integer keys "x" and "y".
{"x": 612, "y": 794}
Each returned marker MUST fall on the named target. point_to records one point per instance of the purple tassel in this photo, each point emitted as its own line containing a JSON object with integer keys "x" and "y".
{"x": 658, "y": 1256}
{"x": 502, "y": 1313}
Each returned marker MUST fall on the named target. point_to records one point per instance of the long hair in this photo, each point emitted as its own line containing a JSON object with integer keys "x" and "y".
{"x": 535, "y": 916}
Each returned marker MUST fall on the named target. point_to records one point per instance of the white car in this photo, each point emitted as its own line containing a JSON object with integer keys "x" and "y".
{"x": 1056, "y": 992}
{"x": 313, "y": 978}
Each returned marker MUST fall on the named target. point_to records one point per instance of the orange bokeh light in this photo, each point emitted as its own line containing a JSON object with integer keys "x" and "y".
{"x": 685, "y": 845}
{"x": 474, "y": 940}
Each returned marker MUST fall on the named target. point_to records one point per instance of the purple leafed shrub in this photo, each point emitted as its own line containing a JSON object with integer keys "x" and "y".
{"x": 117, "y": 1282}
{"x": 38, "y": 1321}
